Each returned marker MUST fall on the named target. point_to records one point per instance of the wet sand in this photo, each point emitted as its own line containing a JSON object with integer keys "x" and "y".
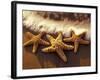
{"x": 52, "y": 60}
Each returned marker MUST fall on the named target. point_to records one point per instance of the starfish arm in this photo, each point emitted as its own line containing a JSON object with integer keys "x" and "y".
{"x": 61, "y": 54}
{"x": 84, "y": 41}
{"x": 72, "y": 33}
{"x": 76, "y": 45}
{"x": 35, "y": 46}
{"x": 50, "y": 38}
{"x": 41, "y": 34}
{"x": 82, "y": 34}
{"x": 48, "y": 49}
{"x": 28, "y": 43}
{"x": 65, "y": 46}
{"x": 67, "y": 39}
{"x": 29, "y": 35}
{"x": 43, "y": 42}
{"x": 59, "y": 36}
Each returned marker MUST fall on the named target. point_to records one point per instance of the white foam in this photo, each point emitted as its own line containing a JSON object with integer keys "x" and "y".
{"x": 38, "y": 23}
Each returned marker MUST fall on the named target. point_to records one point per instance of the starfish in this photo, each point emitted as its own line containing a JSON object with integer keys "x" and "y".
{"x": 57, "y": 46}
{"x": 76, "y": 39}
{"x": 35, "y": 40}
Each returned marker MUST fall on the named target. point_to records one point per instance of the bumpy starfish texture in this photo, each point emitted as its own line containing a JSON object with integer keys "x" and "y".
{"x": 76, "y": 39}
{"x": 57, "y": 46}
{"x": 35, "y": 40}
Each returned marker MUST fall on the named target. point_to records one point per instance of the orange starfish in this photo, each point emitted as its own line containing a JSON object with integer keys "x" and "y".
{"x": 77, "y": 39}
{"x": 57, "y": 46}
{"x": 35, "y": 41}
